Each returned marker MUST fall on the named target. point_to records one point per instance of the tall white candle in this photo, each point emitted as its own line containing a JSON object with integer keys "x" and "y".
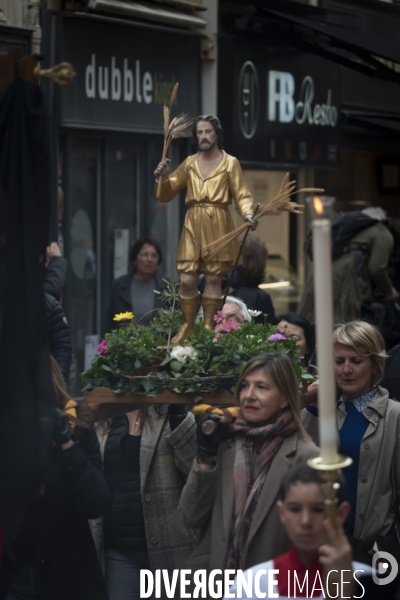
{"x": 324, "y": 328}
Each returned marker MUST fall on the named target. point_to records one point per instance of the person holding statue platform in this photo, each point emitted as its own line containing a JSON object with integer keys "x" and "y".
{"x": 212, "y": 178}
{"x": 233, "y": 485}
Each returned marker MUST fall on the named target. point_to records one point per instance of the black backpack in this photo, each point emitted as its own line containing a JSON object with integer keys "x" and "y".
{"x": 344, "y": 228}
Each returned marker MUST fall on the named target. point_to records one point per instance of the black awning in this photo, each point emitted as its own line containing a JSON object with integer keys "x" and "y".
{"x": 388, "y": 124}
{"x": 365, "y": 46}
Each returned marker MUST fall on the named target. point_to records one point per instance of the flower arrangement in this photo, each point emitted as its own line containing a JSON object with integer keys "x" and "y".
{"x": 135, "y": 359}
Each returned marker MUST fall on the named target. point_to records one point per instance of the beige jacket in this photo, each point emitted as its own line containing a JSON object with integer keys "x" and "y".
{"x": 208, "y": 199}
{"x": 207, "y": 503}
{"x": 379, "y": 469}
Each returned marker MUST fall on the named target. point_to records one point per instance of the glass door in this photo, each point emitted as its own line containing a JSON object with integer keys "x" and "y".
{"x": 81, "y": 251}
{"x": 122, "y": 200}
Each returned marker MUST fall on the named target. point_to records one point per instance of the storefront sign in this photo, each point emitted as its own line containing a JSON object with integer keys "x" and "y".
{"x": 123, "y": 76}
{"x": 286, "y": 106}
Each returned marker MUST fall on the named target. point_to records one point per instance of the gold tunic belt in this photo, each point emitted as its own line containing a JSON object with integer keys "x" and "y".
{"x": 207, "y": 206}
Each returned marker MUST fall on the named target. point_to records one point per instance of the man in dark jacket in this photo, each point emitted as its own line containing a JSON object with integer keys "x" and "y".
{"x": 59, "y": 335}
{"x": 56, "y": 271}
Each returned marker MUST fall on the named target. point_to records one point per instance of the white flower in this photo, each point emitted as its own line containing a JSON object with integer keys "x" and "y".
{"x": 254, "y": 313}
{"x": 181, "y": 353}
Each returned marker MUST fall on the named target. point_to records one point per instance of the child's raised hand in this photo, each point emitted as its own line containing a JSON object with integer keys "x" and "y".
{"x": 336, "y": 556}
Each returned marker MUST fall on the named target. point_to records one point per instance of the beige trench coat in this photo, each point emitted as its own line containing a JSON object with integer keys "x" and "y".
{"x": 379, "y": 468}
{"x": 208, "y": 199}
{"x": 207, "y": 503}
{"x": 165, "y": 461}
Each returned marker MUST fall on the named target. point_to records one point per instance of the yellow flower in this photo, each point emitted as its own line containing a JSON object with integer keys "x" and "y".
{"x": 126, "y": 316}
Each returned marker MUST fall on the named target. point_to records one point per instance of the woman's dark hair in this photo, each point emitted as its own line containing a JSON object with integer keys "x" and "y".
{"x": 309, "y": 334}
{"x": 255, "y": 256}
{"x": 215, "y": 123}
{"x": 303, "y": 473}
{"x": 138, "y": 245}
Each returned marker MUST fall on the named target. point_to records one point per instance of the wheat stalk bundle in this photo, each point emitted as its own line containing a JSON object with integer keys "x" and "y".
{"x": 179, "y": 127}
{"x": 281, "y": 203}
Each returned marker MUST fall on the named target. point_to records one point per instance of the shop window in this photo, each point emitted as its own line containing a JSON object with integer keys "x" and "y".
{"x": 82, "y": 254}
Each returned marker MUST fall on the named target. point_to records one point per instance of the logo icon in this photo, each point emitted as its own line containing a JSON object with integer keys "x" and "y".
{"x": 385, "y": 568}
{"x": 248, "y": 100}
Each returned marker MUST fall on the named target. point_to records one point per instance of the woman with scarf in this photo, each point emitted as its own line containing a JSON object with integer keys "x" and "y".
{"x": 233, "y": 486}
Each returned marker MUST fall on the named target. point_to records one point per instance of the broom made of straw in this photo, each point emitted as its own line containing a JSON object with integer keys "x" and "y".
{"x": 179, "y": 127}
{"x": 281, "y": 203}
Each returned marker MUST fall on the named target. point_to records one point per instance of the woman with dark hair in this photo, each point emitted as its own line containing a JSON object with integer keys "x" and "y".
{"x": 248, "y": 277}
{"x": 233, "y": 486}
{"x": 134, "y": 292}
{"x": 296, "y": 326}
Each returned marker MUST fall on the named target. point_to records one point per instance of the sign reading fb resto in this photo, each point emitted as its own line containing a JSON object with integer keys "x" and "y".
{"x": 123, "y": 78}
{"x": 287, "y": 107}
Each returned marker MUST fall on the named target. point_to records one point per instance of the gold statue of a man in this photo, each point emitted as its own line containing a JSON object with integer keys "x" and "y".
{"x": 212, "y": 178}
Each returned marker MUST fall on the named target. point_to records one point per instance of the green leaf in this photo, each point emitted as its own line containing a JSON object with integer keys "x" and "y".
{"x": 107, "y": 368}
{"x": 138, "y": 364}
{"x": 146, "y": 384}
{"x": 176, "y": 366}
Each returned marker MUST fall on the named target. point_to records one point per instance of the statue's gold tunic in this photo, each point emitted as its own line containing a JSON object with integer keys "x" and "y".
{"x": 208, "y": 217}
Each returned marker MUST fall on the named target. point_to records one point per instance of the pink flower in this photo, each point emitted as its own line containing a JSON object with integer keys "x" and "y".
{"x": 219, "y": 317}
{"x": 230, "y": 325}
{"x": 277, "y": 337}
{"x": 102, "y": 348}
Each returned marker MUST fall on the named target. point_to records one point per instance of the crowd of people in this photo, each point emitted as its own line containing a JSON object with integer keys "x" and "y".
{"x": 149, "y": 490}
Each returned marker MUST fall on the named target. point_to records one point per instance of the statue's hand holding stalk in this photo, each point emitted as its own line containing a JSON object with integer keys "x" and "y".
{"x": 253, "y": 221}
{"x": 162, "y": 170}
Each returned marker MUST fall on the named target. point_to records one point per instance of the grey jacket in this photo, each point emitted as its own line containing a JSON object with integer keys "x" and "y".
{"x": 379, "y": 469}
{"x": 165, "y": 460}
{"x": 207, "y": 502}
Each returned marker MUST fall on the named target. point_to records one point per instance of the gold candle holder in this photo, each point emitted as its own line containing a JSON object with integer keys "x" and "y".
{"x": 329, "y": 474}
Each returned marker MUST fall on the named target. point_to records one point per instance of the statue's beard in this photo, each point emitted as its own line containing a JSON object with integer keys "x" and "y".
{"x": 204, "y": 147}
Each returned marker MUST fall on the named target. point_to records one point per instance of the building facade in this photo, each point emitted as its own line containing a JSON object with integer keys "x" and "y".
{"x": 107, "y": 136}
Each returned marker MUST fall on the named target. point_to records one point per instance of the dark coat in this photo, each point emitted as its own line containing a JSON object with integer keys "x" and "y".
{"x": 55, "y": 536}
{"x": 354, "y": 274}
{"x": 253, "y": 297}
{"x": 391, "y": 375}
{"x": 55, "y": 276}
{"x": 120, "y": 299}
{"x": 124, "y": 527}
{"x": 59, "y": 335}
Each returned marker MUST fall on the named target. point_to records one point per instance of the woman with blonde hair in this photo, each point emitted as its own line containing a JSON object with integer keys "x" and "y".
{"x": 233, "y": 486}
{"x": 369, "y": 432}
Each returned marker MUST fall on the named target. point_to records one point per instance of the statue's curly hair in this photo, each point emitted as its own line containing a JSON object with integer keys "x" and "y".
{"x": 216, "y": 125}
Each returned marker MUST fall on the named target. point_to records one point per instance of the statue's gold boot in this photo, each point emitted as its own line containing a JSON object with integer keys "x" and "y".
{"x": 210, "y": 308}
{"x": 189, "y": 307}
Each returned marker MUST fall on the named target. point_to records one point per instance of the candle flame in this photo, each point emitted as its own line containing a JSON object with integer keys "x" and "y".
{"x": 318, "y": 205}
